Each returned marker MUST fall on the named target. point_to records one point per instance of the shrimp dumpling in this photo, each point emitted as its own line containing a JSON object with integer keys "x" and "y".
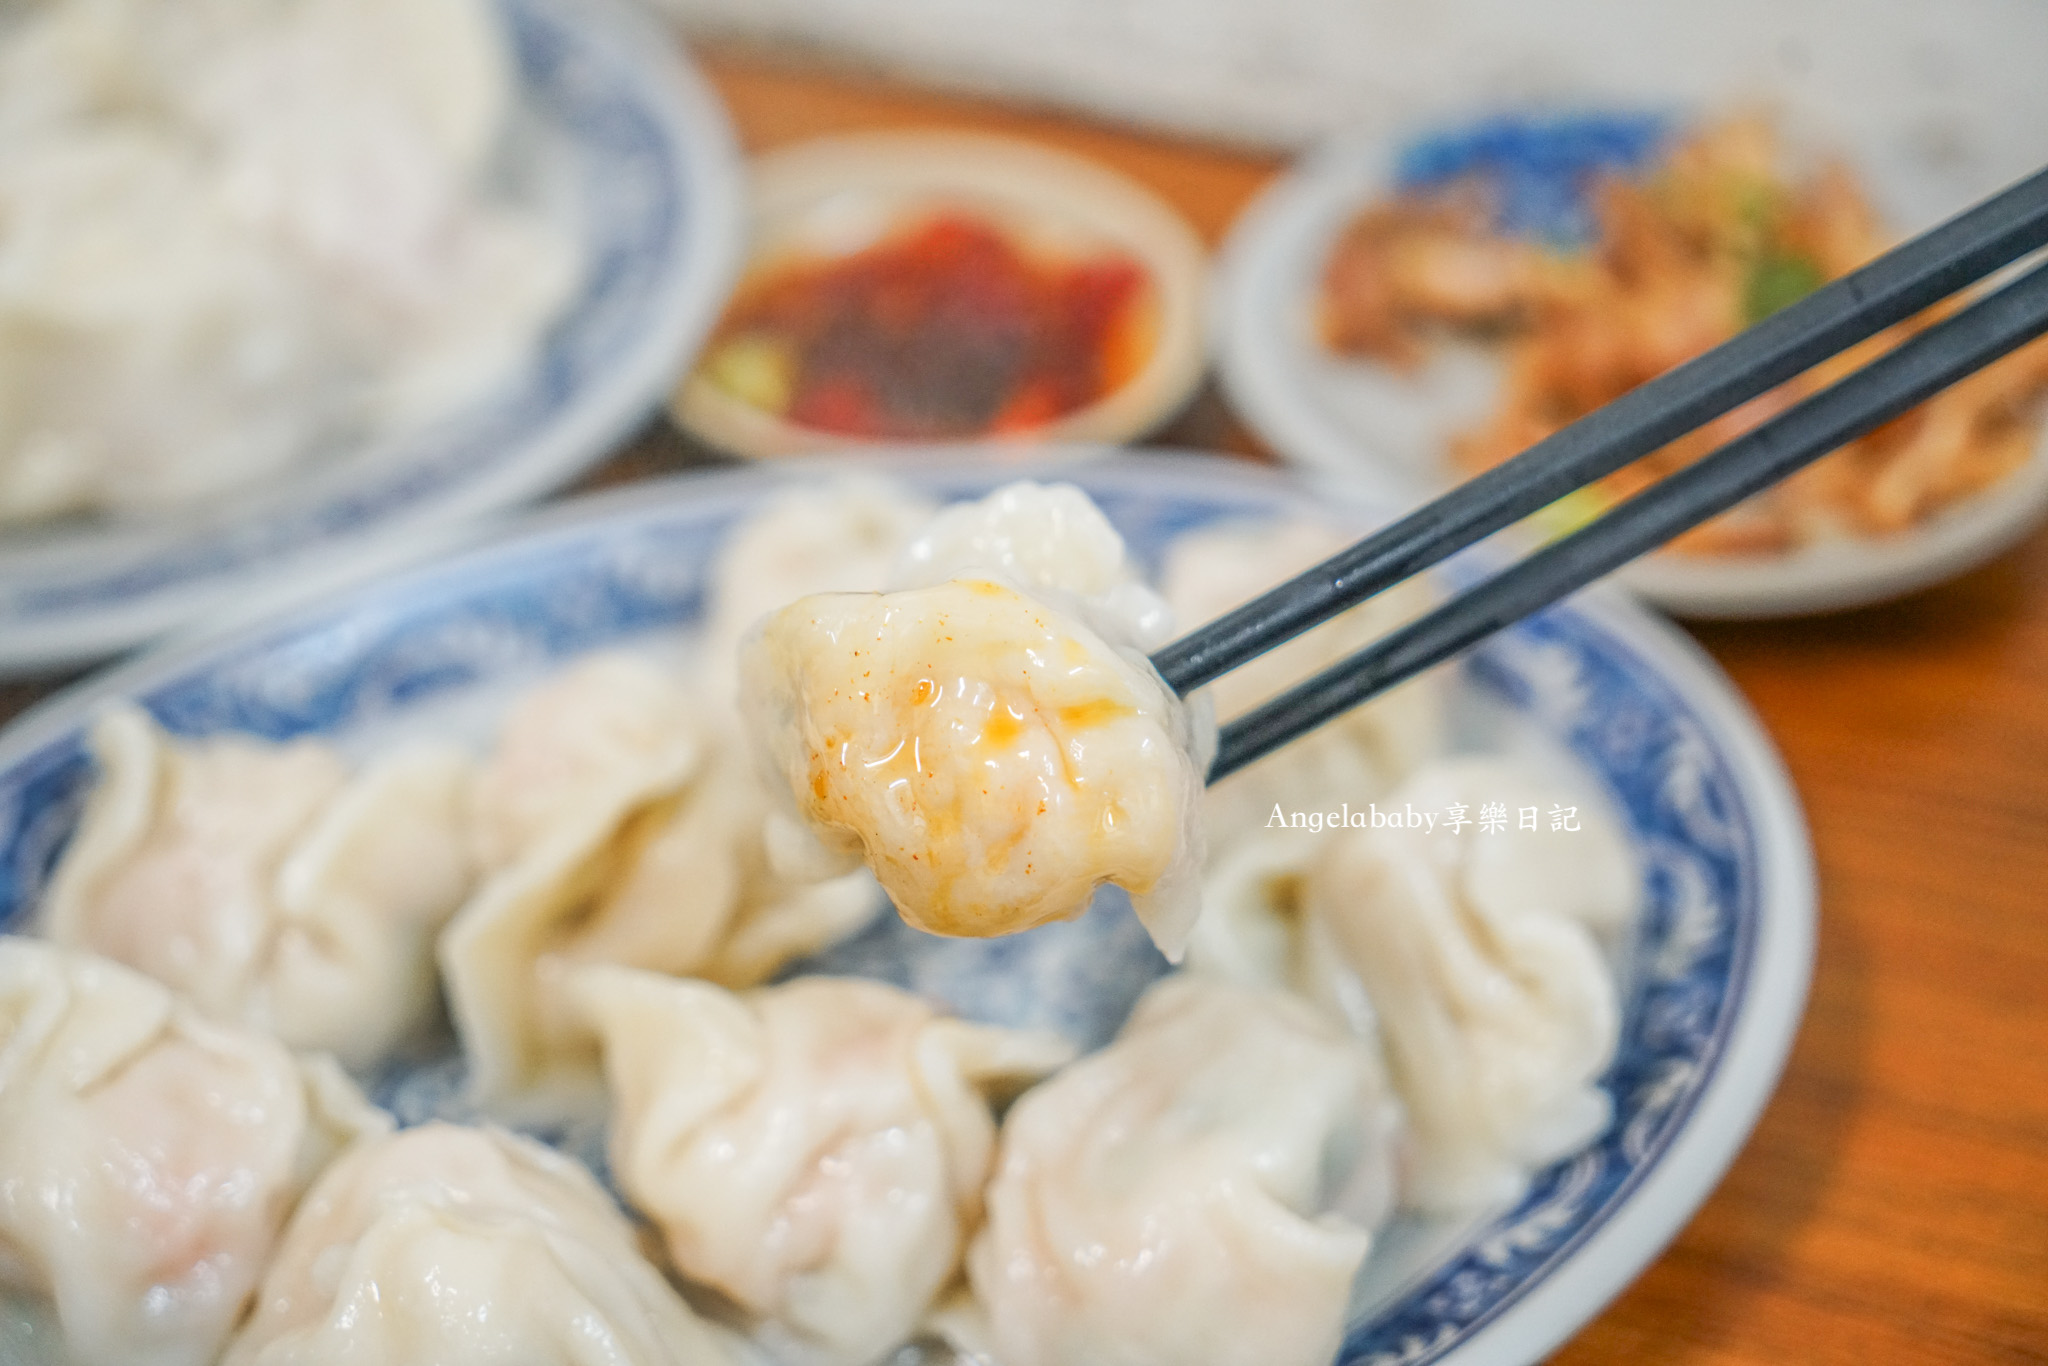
{"x": 840, "y": 536}
{"x": 452, "y": 1246}
{"x": 617, "y": 827}
{"x": 1358, "y": 756}
{"x": 1199, "y": 1193}
{"x": 1481, "y": 953}
{"x": 813, "y": 1152}
{"x": 148, "y": 1157}
{"x": 1256, "y": 931}
{"x": 995, "y": 751}
{"x": 265, "y": 883}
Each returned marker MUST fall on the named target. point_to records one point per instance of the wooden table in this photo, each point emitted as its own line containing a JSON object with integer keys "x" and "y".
{"x": 1893, "y": 1203}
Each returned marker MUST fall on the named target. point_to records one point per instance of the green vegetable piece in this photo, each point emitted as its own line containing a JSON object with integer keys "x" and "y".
{"x": 759, "y": 371}
{"x": 1576, "y": 509}
{"x": 1777, "y": 280}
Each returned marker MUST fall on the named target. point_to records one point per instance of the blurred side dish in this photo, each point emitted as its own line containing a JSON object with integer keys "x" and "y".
{"x": 1713, "y": 236}
{"x": 611, "y": 902}
{"x": 239, "y": 236}
{"x": 947, "y": 328}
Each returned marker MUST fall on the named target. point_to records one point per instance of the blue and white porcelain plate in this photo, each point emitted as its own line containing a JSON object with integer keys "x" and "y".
{"x": 1715, "y": 977}
{"x": 1386, "y": 433}
{"x": 617, "y": 135}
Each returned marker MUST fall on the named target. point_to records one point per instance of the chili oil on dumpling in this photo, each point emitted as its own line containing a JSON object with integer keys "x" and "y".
{"x": 1201, "y": 1192}
{"x": 267, "y": 884}
{"x": 148, "y": 1157}
{"x": 617, "y": 825}
{"x": 451, "y": 1246}
{"x": 813, "y": 1152}
{"x": 1481, "y": 952}
{"x": 993, "y": 757}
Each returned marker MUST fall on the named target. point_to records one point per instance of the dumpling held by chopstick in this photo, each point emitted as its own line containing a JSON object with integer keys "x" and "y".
{"x": 990, "y": 736}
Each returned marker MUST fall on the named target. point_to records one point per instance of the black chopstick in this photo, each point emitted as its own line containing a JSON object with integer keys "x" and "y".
{"x": 1835, "y": 317}
{"x": 1868, "y": 398}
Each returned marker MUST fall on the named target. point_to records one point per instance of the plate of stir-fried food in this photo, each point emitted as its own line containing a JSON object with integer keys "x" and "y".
{"x": 1409, "y": 316}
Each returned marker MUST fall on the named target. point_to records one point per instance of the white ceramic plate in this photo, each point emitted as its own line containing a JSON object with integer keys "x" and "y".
{"x": 837, "y": 196}
{"x": 1714, "y": 979}
{"x": 1385, "y": 432}
{"x": 623, "y": 139}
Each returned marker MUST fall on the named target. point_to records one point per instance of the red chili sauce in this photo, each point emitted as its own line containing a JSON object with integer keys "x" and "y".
{"x": 945, "y": 329}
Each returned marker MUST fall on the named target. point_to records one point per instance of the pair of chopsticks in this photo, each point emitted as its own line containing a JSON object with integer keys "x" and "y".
{"x": 1888, "y": 290}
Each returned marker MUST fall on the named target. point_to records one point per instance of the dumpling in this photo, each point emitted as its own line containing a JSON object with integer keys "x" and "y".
{"x": 450, "y": 1246}
{"x": 1049, "y": 540}
{"x": 619, "y": 827}
{"x": 1255, "y": 928}
{"x": 148, "y": 1157}
{"x": 602, "y": 736}
{"x": 839, "y": 536}
{"x": 1358, "y": 756}
{"x": 1479, "y": 952}
{"x": 995, "y": 744}
{"x": 266, "y": 884}
{"x": 814, "y": 1152}
{"x": 1199, "y": 1193}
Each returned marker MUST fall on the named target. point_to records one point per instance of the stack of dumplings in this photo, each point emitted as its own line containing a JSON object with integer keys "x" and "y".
{"x": 603, "y": 904}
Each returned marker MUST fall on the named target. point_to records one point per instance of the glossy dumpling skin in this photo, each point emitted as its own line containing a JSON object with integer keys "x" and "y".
{"x": 453, "y": 1246}
{"x": 989, "y": 735}
{"x": 1199, "y": 1193}
{"x": 266, "y": 883}
{"x": 619, "y": 821}
{"x": 1481, "y": 953}
{"x": 994, "y": 759}
{"x": 148, "y": 1157}
{"x": 814, "y": 1152}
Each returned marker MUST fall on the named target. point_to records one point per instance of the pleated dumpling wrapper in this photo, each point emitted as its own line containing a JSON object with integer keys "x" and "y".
{"x": 453, "y": 1246}
{"x": 1358, "y": 756}
{"x": 615, "y": 824}
{"x": 814, "y": 1152}
{"x": 1199, "y": 1193}
{"x": 843, "y": 535}
{"x": 267, "y": 884}
{"x": 990, "y": 735}
{"x": 1481, "y": 952}
{"x": 148, "y": 1157}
